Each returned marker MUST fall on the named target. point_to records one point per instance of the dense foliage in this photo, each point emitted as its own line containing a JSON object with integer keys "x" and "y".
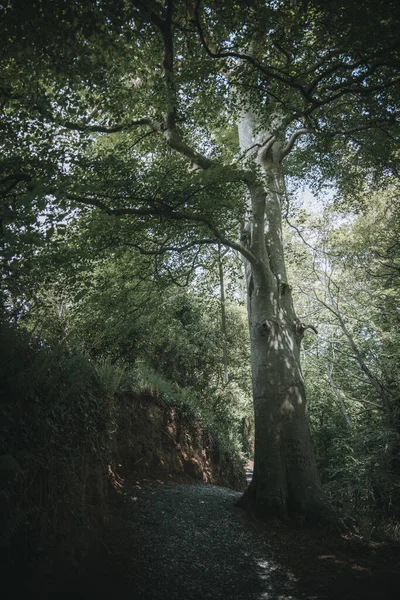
{"x": 347, "y": 284}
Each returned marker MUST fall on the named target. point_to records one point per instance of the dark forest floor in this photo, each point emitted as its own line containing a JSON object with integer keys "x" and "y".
{"x": 186, "y": 541}
{"x": 332, "y": 567}
{"x": 179, "y": 540}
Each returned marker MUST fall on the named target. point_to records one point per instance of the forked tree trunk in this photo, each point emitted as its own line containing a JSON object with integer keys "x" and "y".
{"x": 285, "y": 481}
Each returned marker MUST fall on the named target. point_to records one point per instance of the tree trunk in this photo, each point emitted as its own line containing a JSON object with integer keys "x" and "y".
{"x": 285, "y": 480}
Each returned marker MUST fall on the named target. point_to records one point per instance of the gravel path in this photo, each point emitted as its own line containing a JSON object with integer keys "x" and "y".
{"x": 190, "y": 542}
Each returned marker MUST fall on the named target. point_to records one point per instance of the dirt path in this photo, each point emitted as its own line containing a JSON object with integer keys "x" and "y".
{"x": 189, "y": 542}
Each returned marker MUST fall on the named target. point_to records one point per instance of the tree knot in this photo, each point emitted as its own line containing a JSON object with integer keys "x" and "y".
{"x": 265, "y": 327}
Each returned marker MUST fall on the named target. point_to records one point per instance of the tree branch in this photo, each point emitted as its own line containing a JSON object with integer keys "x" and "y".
{"x": 384, "y": 394}
{"x": 170, "y": 215}
{"x": 113, "y": 129}
{"x": 16, "y": 177}
{"x": 13, "y": 180}
{"x": 176, "y": 248}
{"x": 291, "y": 141}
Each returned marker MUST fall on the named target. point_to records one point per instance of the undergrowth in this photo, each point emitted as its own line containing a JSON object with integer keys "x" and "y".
{"x": 59, "y": 414}
{"x": 361, "y": 478}
{"x": 222, "y": 433}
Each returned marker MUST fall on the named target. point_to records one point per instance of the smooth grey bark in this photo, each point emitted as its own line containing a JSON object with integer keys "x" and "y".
{"x": 285, "y": 481}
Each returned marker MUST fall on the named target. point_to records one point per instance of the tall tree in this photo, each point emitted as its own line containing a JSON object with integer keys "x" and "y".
{"x": 131, "y": 109}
